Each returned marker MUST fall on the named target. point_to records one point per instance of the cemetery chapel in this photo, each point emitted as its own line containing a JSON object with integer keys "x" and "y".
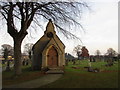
{"x": 48, "y": 51}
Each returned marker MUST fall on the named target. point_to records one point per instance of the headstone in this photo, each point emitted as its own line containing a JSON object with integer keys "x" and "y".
{"x": 73, "y": 62}
{"x": 96, "y": 70}
{"x": 94, "y": 59}
{"x": 90, "y": 69}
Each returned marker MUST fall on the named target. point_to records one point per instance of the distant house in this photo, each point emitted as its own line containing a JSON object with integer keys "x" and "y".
{"x": 24, "y": 56}
{"x": 69, "y": 56}
{"x": 48, "y": 51}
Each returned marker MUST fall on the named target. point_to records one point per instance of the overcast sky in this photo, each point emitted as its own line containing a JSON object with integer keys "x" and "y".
{"x": 101, "y": 26}
{"x": 101, "y": 29}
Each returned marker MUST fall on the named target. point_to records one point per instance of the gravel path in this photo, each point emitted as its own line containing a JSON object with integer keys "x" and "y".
{"x": 49, "y": 78}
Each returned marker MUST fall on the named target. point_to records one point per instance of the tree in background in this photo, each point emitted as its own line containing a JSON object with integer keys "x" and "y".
{"x": 20, "y": 15}
{"x": 77, "y": 50}
{"x": 7, "y": 50}
{"x": 84, "y": 52}
{"x": 111, "y": 52}
{"x": 28, "y": 49}
{"x": 97, "y": 53}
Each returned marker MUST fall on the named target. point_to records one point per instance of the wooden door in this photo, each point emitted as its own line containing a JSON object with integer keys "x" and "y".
{"x": 52, "y": 57}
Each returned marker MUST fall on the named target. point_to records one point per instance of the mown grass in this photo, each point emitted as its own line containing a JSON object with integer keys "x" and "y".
{"x": 86, "y": 80}
{"x": 73, "y": 78}
{"x": 81, "y": 78}
{"x": 27, "y": 75}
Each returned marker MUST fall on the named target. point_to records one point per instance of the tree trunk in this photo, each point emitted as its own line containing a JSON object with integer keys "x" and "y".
{"x": 8, "y": 66}
{"x": 17, "y": 57}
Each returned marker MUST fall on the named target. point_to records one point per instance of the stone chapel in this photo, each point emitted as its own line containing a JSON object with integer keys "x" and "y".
{"x": 48, "y": 51}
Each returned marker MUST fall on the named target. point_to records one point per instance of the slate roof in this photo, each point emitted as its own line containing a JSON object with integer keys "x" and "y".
{"x": 41, "y": 44}
{"x": 44, "y": 40}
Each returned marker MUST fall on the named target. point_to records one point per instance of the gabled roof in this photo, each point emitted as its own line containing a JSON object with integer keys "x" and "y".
{"x": 60, "y": 41}
{"x": 44, "y": 40}
{"x": 41, "y": 43}
{"x": 54, "y": 43}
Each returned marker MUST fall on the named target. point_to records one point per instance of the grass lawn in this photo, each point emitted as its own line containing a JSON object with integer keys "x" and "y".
{"x": 73, "y": 78}
{"x": 4, "y": 65}
{"x": 81, "y": 78}
{"x": 28, "y": 74}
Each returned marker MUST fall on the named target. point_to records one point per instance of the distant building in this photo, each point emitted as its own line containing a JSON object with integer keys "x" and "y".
{"x": 69, "y": 56}
{"x": 85, "y": 52}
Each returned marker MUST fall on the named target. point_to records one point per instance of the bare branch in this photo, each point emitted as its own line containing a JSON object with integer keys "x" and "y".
{"x": 67, "y": 33}
{"x": 37, "y": 22}
{"x": 3, "y": 15}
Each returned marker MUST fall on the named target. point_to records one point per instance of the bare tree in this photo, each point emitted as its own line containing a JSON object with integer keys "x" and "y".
{"x": 97, "y": 52}
{"x": 23, "y": 13}
{"x": 28, "y": 49}
{"x": 7, "y": 50}
{"x": 111, "y": 52}
{"x": 77, "y": 50}
{"x": 97, "y": 55}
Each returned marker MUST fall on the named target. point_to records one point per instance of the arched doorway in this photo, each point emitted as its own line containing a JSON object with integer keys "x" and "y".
{"x": 52, "y": 57}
